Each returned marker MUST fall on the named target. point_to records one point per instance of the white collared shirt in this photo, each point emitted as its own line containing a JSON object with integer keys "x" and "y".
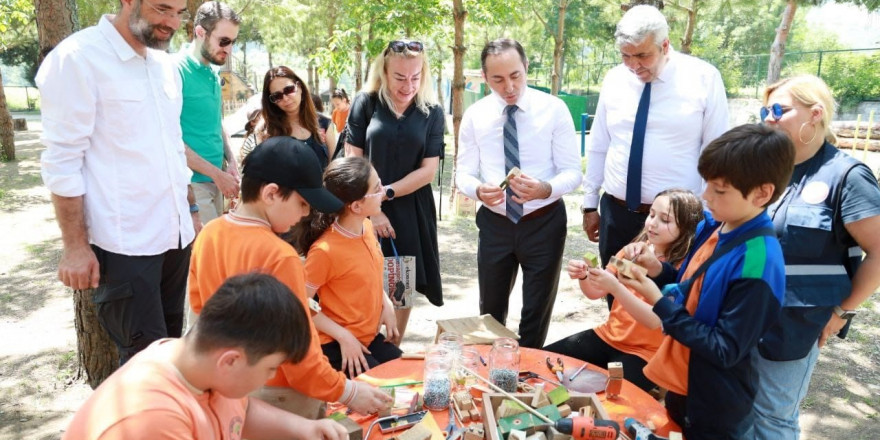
{"x": 548, "y": 148}
{"x": 111, "y": 127}
{"x": 688, "y": 110}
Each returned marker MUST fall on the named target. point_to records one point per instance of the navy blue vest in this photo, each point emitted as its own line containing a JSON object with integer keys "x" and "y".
{"x": 820, "y": 256}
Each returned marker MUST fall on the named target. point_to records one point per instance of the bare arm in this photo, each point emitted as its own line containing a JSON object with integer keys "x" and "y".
{"x": 264, "y": 421}
{"x": 78, "y": 268}
{"x": 231, "y": 161}
{"x": 866, "y": 279}
{"x": 226, "y": 182}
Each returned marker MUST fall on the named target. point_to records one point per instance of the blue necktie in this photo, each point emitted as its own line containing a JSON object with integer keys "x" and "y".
{"x": 634, "y": 170}
{"x": 511, "y": 159}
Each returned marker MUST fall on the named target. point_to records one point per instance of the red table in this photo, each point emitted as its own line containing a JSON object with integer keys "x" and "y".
{"x": 632, "y": 401}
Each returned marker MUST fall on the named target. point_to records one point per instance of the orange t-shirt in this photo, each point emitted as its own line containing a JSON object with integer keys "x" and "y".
{"x": 232, "y": 245}
{"x": 669, "y": 367}
{"x": 339, "y": 117}
{"x": 346, "y": 270}
{"x": 624, "y": 333}
{"x": 148, "y": 398}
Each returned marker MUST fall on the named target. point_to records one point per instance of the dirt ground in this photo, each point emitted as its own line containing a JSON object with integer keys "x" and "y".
{"x": 39, "y": 391}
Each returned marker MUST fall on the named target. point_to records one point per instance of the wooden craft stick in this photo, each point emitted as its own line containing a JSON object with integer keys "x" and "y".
{"x": 506, "y": 394}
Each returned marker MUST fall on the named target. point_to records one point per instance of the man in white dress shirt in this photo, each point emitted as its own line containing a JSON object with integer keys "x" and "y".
{"x": 115, "y": 165}
{"x": 686, "y": 108}
{"x": 522, "y": 225}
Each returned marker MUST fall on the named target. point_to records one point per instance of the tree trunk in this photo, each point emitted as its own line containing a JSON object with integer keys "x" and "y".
{"x": 96, "y": 351}
{"x": 192, "y": 6}
{"x": 56, "y": 19}
{"x": 358, "y": 67}
{"x": 688, "y": 37}
{"x": 7, "y": 135}
{"x": 459, "y": 14}
{"x": 777, "y": 51}
{"x": 559, "y": 41}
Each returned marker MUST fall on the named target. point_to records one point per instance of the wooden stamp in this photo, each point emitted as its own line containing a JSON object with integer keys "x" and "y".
{"x": 625, "y": 267}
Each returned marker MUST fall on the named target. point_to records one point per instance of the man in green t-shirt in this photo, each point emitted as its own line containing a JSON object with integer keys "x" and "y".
{"x": 207, "y": 149}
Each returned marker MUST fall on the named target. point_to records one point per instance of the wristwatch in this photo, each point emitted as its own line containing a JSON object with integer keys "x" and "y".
{"x": 389, "y": 192}
{"x": 194, "y": 208}
{"x": 844, "y": 314}
{"x": 587, "y": 210}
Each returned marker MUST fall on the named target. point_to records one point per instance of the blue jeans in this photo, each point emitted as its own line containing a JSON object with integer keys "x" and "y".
{"x": 782, "y": 385}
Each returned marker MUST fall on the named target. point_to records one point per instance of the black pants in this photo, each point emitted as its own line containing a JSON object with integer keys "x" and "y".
{"x": 140, "y": 298}
{"x": 380, "y": 352}
{"x": 589, "y": 347}
{"x": 618, "y": 227}
{"x": 536, "y": 245}
{"x": 676, "y": 406}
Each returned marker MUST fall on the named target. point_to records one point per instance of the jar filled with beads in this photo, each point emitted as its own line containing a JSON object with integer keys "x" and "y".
{"x": 437, "y": 381}
{"x": 504, "y": 364}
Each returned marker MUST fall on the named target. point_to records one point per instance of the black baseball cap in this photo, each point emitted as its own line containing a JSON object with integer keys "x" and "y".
{"x": 290, "y": 163}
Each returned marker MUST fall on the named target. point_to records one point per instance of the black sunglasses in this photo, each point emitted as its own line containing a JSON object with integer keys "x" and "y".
{"x": 278, "y": 96}
{"x": 401, "y": 45}
{"x": 225, "y": 41}
{"x": 776, "y": 110}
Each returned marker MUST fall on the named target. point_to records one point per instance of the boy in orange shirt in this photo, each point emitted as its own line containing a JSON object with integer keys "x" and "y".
{"x": 281, "y": 178}
{"x": 729, "y": 290}
{"x": 196, "y": 387}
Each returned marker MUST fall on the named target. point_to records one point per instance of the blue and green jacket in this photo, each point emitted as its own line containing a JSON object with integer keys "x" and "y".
{"x": 740, "y": 298}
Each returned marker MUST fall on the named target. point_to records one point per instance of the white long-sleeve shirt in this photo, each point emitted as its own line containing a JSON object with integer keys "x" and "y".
{"x": 688, "y": 110}
{"x": 111, "y": 127}
{"x": 548, "y": 148}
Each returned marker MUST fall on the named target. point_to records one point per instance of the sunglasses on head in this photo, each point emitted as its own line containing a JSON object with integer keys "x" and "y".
{"x": 776, "y": 110}
{"x": 278, "y": 96}
{"x": 401, "y": 45}
{"x": 225, "y": 41}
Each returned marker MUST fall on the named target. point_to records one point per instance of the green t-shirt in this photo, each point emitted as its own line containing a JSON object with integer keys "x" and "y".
{"x": 201, "y": 116}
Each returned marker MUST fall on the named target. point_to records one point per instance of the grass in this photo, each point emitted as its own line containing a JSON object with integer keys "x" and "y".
{"x": 22, "y": 98}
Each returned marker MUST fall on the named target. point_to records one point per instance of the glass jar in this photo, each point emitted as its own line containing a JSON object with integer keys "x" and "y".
{"x": 504, "y": 364}
{"x": 453, "y": 341}
{"x": 437, "y": 381}
{"x": 468, "y": 359}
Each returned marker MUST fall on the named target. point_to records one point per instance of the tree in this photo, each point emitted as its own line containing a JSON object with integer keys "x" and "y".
{"x": 558, "y": 41}
{"x": 56, "y": 19}
{"x": 7, "y": 136}
{"x": 777, "y": 50}
{"x": 691, "y": 12}
{"x": 16, "y": 17}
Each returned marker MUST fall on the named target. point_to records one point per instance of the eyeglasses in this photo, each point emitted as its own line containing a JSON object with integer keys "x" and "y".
{"x": 278, "y": 96}
{"x": 776, "y": 110}
{"x": 165, "y": 11}
{"x": 225, "y": 41}
{"x": 401, "y": 45}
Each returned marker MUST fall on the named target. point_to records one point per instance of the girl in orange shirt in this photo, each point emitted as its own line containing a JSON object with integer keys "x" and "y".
{"x": 624, "y": 337}
{"x": 344, "y": 268}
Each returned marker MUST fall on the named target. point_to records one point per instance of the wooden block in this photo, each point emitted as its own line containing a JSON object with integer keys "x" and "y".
{"x": 475, "y": 414}
{"x": 475, "y": 330}
{"x": 414, "y": 356}
{"x": 675, "y": 435}
{"x": 464, "y": 205}
{"x": 537, "y": 436}
{"x": 493, "y": 401}
{"x": 591, "y": 259}
{"x": 586, "y": 411}
{"x": 564, "y": 410}
{"x": 475, "y": 432}
{"x": 418, "y": 432}
{"x": 615, "y": 380}
{"x": 550, "y": 411}
{"x": 625, "y": 267}
{"x": 463, "y": 415}
{"x": 651, "y": 425}
{"x": 558, "y": 396}
{"x": 538, "y": 396}
{"x": 464, "y": 400}
{"x": 355, "y": 431}
{"x": 509, "y": 408}
{"x": 520, "y": 422}
{"x": 615, "y": 370}
{"x": 516, "y": 434}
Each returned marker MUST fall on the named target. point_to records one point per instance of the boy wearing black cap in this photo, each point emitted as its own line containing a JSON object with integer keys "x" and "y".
{"x": 281, "y": 178}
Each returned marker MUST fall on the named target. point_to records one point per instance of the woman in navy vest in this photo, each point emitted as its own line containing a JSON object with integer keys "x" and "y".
{"x": 828, "y": 216}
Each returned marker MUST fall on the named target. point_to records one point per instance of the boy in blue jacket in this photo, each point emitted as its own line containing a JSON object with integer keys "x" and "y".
{"x": 729, "y": 289}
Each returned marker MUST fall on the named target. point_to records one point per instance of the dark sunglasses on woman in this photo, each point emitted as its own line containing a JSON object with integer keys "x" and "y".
{"x": 776, "y": 110}
{"x": 401, "y": 45}
{"x": 278, "y": 96}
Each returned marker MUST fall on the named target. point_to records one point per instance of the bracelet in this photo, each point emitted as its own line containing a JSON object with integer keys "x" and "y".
{"x": 194, "y": 208}
{"x": 584, "y": 277}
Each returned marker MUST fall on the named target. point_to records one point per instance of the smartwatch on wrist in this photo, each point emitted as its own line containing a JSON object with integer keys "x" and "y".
{"x": 194, "y": 208}
{"x": 844, "y": 314}
{"x": 389, "y": 192}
